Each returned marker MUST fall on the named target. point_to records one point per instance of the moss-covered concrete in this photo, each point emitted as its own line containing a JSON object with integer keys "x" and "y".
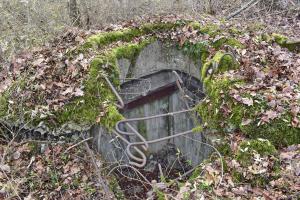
{"x": 283, "y": 41}
{"x": 219, "y": 63}
{"x": 210, "y": 29}
{"x": 196, "y": 51}
{"x": 227, "y": 41}
{"x": 97, "y": 104}
{"x": 127, "y": 35}
{"x": 88, "y": 108}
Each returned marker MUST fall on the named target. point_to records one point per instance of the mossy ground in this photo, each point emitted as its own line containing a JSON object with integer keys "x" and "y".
{"x": 248, "y": 148}
{"x": 223, "y": 113}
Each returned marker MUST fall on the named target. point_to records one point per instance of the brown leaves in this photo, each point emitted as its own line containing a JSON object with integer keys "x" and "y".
{"x": 50, "y": 74}
{"x": 269, "y": 115}
{"x": 244, "y": 100}
{"x": 246, "y": 182}
{"x": 51, "y": 174}
{"x": 247, "y": 101}
{"x": 272, "y": 75}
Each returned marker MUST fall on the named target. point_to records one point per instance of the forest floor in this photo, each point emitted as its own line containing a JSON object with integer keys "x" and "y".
{"x": 60, "y": 170}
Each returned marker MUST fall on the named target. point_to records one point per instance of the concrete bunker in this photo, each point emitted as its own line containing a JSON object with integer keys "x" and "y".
{"x": 158, "y": 92}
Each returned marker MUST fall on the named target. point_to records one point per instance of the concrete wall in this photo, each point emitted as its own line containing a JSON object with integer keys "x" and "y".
{"x": 158, "y": 56}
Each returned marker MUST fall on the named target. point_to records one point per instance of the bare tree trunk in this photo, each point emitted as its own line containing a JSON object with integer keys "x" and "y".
{"x": 74, "y": 13}
{"x": 86, "y": 13}
{"x": 1, "y": 57}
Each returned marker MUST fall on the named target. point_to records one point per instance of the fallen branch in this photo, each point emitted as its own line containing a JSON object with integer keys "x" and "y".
{"x": 246, "y": 6}
{"x": 108, "y": 193}
{"x": 131, "y": 167}
{"x": 77, "y": 144}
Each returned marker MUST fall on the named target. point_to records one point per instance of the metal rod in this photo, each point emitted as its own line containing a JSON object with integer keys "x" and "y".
{"x": 178, "y": 83}
{"x": 121, "y": 105}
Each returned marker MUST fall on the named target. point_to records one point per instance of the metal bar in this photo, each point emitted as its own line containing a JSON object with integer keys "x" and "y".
{"x": 121, "y": 105}
{"x": 179, "y": 82}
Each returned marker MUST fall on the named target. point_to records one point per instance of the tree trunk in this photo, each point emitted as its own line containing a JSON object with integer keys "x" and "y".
{"x": 86, "y": 14}
{"x": 74, "y": 13}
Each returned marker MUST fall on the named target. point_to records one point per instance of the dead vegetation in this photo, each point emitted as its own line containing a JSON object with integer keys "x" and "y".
{"x": 28, "y": 23}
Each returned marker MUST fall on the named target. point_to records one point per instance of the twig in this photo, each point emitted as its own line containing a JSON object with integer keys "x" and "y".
{"x": 10, "y": 182}
{"x": 15, "y": 135}
{"x": 108, "y": 194}
{"x": 134, "y": 169}
{"x": 77, "y": 144}
{"x": 188, "y": 172}
{"x": 145, "y": 184}
{"x": 250, "y": 3}
{"x": 160, "y": 171}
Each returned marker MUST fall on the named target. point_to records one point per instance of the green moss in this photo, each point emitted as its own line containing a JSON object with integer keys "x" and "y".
{"x": 160, "y": 195}
{"x": 279, "y": 39}
{"x": 224, "y": 149}
{"x": 227, "y": 41}
{"x": 198, "y": 129}
{"x": 210, "y": 29}
{"x": 278, "y": 131}
{"x": 109, "y": 37}
{"x": 265, "y": 37}
{"x": 283, "y": 41}
{"x": 195, "y": 25}
{"x": 126, "y": 35}
{"x": 112, "y": 117}
{"x": 256, "y": 26}
{"x": 237, "y": 177}
{"x": 210, "y": 110}
{"x": 196, "y": 173}
{"x": 115, "y": 188}
{"x": 235, "y": 31}
{"x": 248, "y": 148}
{"x": 221, "y": 62}
{"x": 3, "y": 106}
{"x": 198, "y": 51}
{"x": 292, "y": 46}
